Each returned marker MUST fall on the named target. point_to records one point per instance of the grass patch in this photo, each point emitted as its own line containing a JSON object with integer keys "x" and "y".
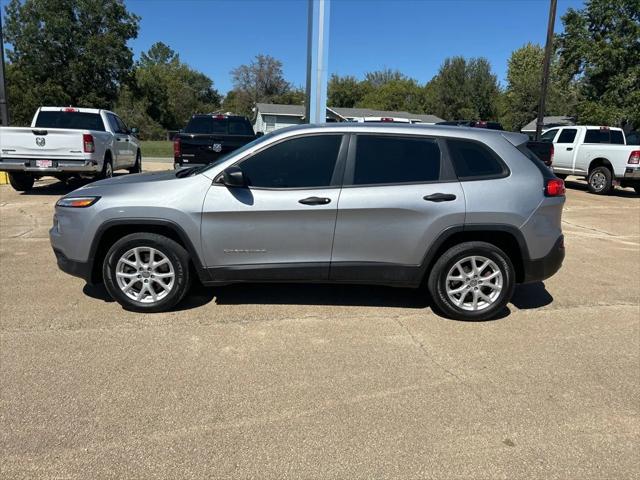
{"x": 156, "y": 148}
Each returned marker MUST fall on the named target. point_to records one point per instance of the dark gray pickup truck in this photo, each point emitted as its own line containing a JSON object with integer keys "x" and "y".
{"x": 208, "y": 137}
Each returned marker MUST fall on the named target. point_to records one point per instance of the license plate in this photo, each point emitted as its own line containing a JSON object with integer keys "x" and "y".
{"x": 44, "y": 163}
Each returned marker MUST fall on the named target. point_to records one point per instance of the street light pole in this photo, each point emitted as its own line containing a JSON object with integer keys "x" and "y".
{"x": 545, "y": 68}
{"x": 317, "y": 57}
{"x": 4, "y": 106}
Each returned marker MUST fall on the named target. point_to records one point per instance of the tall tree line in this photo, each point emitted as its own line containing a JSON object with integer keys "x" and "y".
{"x": 74, "y": 52}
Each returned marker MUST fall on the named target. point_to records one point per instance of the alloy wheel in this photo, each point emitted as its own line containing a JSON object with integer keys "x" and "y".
{"x": 145, "y": 274}
{"x": 474, "y": 283}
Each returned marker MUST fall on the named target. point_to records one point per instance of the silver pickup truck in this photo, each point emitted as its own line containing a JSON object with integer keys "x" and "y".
{"x": 65, "y": 142}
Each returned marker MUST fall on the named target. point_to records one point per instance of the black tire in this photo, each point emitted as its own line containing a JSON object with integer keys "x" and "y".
{"x": 437, "y": 281}
{"x": 107, "y": 169}
{"x": 600, "y": 181}
{"x": 137, "y": 167}
{"x": 178, "y": 258}
{"x": 21, "y": 182}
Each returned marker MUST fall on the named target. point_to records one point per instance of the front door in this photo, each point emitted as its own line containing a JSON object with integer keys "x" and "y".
{"x": 280, "y": 227}
{"x": 399, "y": 194}
{"x": 565, "y": 150}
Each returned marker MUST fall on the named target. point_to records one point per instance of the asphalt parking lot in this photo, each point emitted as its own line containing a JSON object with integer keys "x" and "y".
{"x": 320, "y": 381}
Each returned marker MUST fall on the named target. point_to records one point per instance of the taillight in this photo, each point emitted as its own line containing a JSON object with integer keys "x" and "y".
{"x": 634, "y": 157}
{"x": 554, "y": 188}
{"x": 177, "y": 147}
{"x": 87, "y": 143}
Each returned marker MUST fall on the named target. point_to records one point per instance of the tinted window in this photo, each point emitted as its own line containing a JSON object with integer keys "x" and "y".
{"x": 389, "y": 159}
{"x": 616, "y": 137}
{"x": 568, "y": 135}
{"x": 238, "y": 126}
{"x": 207, "y": 125}
{"x": 77, "y": 120}
{"x": 472, "y": 159}
{"x": 549, "y": 135}
{"x": 296, "y": 163}
{"x": 604, "y": 136}
{"x": 121, "y": 125}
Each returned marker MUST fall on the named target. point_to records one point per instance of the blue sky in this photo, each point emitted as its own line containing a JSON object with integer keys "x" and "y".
{"x": 413, "y": 36}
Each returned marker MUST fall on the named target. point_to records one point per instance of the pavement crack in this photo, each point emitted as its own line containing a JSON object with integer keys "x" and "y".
{"x": 589, "y": 228}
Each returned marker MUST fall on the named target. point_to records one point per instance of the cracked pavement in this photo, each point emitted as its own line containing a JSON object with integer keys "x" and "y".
{"x": 309, "y": 381}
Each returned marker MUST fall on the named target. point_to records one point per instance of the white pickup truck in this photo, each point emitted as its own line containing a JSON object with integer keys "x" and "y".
{"x": 66, "y": 142}
{"x": 600, "y": 154}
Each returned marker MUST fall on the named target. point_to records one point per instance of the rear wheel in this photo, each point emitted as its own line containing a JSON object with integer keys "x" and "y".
{"x": 472, "y": 281}
{"x": 21, "y": 182}
{"x": 146, "y": 272}
{"x": 137, "y": 167}
{"x": 600, "y": 181}
{"x": 107, "y": 169}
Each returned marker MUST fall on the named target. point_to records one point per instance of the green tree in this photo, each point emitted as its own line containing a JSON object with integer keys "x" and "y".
{"x": 452, "y": 91}
{"x": 262, "y": 80}
{"x": 600, "y": 47}
{"x": 397, "y": 94}
{"x": 345, "y": 92}
{"x": 484, "y": 89}
{"x": 66, "y": 52}
{"x": 522, "y": 94}
{"x": 164, "y": 93}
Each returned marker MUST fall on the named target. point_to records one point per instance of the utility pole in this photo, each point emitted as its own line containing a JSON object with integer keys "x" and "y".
{"x": 317, "y": 58}
{"x": 4, "y": 106}
{"x": 545, "y": 68}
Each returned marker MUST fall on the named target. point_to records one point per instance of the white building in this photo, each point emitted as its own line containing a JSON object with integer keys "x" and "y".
{"x": 272, "y": 116}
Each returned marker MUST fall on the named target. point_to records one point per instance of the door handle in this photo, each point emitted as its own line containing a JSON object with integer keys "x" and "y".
{"x": 569, "y": 149}
{"x": 439, "y": 197}
{"x": 315, "y": 201}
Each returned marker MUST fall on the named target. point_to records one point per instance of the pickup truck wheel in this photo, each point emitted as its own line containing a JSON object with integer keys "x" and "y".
{"x": 21, "y": 181}
{"x": 137, "y": 167}
{"x": 107, "y": 169}
{"x": 600, "y": 181}
{"x": 472, "y": 281}
{"x": 146, "y": 272}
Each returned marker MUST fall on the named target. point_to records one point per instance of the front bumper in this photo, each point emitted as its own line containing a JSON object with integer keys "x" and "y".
{"x": 59, "y": 166}
{"x": 543, "y": 268}
{"x": 73, "y": 267}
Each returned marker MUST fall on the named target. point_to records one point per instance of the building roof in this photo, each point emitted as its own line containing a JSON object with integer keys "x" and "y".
{"x": 298, "y": 111}
{"x": 551, "y": 121}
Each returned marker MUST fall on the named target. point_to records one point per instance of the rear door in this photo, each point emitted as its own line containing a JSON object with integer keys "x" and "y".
{"x": 280, "y": 226}
{"x": 399, "y": 194}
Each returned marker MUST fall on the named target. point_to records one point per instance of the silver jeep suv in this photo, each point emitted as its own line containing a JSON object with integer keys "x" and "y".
{"x": 466, "y": 212}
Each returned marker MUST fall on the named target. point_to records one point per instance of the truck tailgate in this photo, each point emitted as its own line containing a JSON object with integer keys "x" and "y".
{"x": 206, "y": 148}
{"x": 51, "y": 143}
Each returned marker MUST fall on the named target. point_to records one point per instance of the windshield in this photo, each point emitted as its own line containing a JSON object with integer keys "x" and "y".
{"x": 239, "y": 151}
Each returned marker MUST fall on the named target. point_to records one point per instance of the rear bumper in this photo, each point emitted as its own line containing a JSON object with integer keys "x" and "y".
{"x": 543, "y": 268}
{"x": 632, "y": 173}
{"x": 27, "y": 165}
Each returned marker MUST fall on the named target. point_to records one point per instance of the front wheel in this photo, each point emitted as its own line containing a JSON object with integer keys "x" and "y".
{"x": 137, "y": 167}
{"x": 146, "y": 272}
{"x": 600, "y": 181}
{"x": 21, "y": 182}
{"x": 472, "y": 281}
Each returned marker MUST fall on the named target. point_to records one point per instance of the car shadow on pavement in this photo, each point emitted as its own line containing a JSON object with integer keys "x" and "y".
{"x": 616, "y": 192}
{"x": 531, "y": 295}
{"x": 526, "y": 297}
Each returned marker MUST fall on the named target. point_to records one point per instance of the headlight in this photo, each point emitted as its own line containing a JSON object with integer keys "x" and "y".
{"x": 77, "y": 202}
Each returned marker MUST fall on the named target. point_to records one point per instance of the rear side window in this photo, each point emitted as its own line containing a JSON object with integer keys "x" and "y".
{"x": 207, "y": 125}
{"x": 390, "y": 159}
{"x": 303, "y": 162}
{"x": 604, "y": 136}
{"x": 73, "y": 120}
{"x": 472, "y": 160}
{"x": 238, "y": 126}
{"x": 568, "y": 135}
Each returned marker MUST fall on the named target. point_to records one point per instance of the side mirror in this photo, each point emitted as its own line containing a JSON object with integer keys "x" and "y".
{"x": 233, "y": 177}
{"x": 259, "y": 134}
